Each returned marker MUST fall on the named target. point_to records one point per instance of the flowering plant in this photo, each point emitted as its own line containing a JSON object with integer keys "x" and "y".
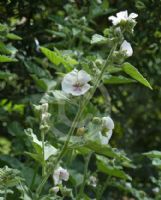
{"x": 67, "y": 129}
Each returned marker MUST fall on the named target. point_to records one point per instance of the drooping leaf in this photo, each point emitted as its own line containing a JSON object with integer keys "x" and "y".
{"x": 135, "y": 74}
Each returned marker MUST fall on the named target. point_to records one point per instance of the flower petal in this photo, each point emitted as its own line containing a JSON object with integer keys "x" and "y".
{"x": 114, "y": 20}
{"x": 108, "y": 123}
{"x": 126, "y": 46}
{"x": 133, "y": 15}
{"x": 123, "y": 15}
{"x": 83, "y": 77}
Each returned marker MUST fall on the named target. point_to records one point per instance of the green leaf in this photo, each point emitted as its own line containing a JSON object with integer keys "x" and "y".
{"x": 98, "y": 39}
{"x": 153, "y": 154}
{"x": 7, "y": 75}
{"x": 56, "y": 58}
{"x": 49, "y": 150}
{"x": 55, "y": 96}
{"x": 105, "y": 167}
{"x": 135, "y": 74}
{"x": 4, "y": 49}
{"x": 13, "y": 36}
{"x": 109, "y": 79}
{"x": 4, "y": 58}
{"x": 112, "y": 69}
{"x": 106, "y": 150}
{"x": 44, "y": 84}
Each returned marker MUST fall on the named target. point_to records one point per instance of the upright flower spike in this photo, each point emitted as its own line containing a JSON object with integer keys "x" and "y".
{"x": 76, "y": 82}
{"x": 123, "y": 17}
{"x": 126, "y": 48}
{"x": 60, "y": 174}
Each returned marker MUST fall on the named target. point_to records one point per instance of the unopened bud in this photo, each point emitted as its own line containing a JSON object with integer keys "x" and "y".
{"x": 80, "y": 131}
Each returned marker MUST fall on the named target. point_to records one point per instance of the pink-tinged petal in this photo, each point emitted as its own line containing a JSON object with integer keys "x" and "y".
{"x": 75, "y": 82}
{"x": 133, "y": 15}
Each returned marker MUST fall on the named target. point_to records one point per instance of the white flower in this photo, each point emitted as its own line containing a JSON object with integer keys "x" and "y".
{"x": 126, "y": 47}
{"x": 107, "y": 127}
{"x": 107, "y": 123}
{"x": 59, "y": 175}
{"x": 76, "y": 82}
{"x": 123, "y": 16}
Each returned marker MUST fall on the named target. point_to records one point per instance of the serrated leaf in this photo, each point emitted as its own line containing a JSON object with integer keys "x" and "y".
{"x": 135, "y": 74}
{"x": 4, "y": 58}
{"x": 98, "y": 39}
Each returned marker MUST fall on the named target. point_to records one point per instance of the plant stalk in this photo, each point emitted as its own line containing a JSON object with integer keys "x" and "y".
{"x": 78, "y": 117}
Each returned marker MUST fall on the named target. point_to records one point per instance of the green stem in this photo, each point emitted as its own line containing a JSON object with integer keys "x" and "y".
{"x": 103, "y": 188}
{"x": 78, "y": 116}
{"x": 43, "y": 153}
{"x": 85, "y": 177}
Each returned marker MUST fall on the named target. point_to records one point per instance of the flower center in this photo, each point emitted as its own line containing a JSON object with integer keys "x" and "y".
{"x": 78, "y": 86}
